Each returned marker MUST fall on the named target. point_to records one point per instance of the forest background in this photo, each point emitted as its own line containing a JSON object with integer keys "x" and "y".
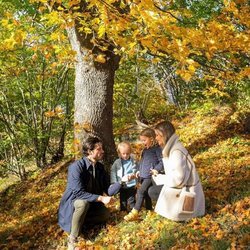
{"x": 142, "y": 62}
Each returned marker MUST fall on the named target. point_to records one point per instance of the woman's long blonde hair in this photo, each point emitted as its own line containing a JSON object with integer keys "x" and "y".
{"x": 166, "y": 128}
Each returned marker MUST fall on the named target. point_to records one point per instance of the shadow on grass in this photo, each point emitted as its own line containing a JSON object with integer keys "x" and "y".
{"x": 28, "y": 224}
{"x": 224, "y": 130}
{"x": 232, "y": 188}
{"x": 90, "y": 232}
{"x": 180, "y": 236}
{"x": 31, "y": 234}
{"x": 15, "y": 193}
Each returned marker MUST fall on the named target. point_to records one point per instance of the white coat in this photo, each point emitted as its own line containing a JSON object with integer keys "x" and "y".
{"x": 177, "y": 174}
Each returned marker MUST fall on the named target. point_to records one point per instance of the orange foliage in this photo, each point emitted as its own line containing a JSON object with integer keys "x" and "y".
{"x": 29, "y": 211}
{"x": 138, "y": 27}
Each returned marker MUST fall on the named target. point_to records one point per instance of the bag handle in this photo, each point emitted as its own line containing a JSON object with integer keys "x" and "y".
{"x": 187, "y": 160}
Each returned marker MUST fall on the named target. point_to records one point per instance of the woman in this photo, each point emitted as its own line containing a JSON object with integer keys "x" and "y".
{"x": 180, "y": 175}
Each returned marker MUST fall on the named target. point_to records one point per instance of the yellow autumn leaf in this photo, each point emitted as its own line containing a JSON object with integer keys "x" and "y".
{"x": 219, "y": 82}
{"x": 73, "y": 2}
{"x": 9, "y": 43}
{"x": 132, "y": 45}
{"x": 184, "y": 74}
{"x": 54, "y": 36}
{"x": 60, "y": 8}
{"x": 49, "y": 114}
{"x": 191, "y": 68}
{"x": 58, "y": 109}
{"x": 87, "y": 30}
{"x": 4, "y": 22}
{"x": 100, "y": 58}
{"x": 52, "y": 18}
{"x": 95, "y": 21}
{"x": 219, "y": 234}
{"x": 245, "y": 72}
{"x": 156, "y": 60}
{"x": 190, "y": 61}
{"x": 19, "y": 36}
{"x": 101, "y": 31}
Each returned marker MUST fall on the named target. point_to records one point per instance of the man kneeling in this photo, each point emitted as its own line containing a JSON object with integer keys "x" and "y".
{"x": 83, "y": 200}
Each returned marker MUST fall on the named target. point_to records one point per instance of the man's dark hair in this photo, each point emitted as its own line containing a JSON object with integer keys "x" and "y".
{"x": 89, "y": 144}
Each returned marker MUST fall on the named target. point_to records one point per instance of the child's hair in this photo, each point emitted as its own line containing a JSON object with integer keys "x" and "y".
{"x": 122, "y": 144}
{"x": 150, "y": 133}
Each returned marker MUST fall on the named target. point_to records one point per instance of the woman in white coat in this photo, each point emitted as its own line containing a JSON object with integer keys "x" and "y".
{"x": 180, "y": 178}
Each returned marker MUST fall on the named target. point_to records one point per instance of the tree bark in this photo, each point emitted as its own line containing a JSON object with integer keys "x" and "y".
{"x": 93, "y": 93}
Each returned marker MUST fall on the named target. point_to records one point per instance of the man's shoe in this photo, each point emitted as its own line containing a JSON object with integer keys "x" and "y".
{"x": 133, "y": 215}
{"x": 72, "y": 241}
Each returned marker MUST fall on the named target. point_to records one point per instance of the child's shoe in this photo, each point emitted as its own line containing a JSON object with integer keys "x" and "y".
{"x": 133, "y": 215}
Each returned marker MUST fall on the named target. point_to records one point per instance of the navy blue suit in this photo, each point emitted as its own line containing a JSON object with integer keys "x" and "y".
{"x": 80, "y": 186}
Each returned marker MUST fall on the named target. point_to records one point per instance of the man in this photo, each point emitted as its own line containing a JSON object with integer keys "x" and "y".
{"x": 83, "y": 200}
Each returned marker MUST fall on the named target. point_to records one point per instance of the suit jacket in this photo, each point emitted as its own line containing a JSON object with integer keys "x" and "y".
{"x": 80, "y": 186}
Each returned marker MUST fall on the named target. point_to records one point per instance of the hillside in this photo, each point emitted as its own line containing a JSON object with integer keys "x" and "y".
{"x": 220, "y": 150}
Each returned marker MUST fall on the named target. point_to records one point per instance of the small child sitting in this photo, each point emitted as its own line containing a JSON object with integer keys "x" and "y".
{"x": 122, "y": 176}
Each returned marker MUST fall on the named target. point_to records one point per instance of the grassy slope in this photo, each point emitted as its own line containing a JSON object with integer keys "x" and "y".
{"x": 221, "y": 152}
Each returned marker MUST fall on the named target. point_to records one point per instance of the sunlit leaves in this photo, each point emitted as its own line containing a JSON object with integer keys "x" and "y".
{"x": 101, "y": 31}
{"x": 58, "y": 112}
{"x": 12, "y": 33}
{"x": 220, "y": 151}
{"x": 52, "y": 18}
{"x": 100, "y": 58}
{"x": 216, "y": 32}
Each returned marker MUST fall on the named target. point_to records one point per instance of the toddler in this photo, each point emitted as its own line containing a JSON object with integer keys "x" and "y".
{"x": 122, "y": 176}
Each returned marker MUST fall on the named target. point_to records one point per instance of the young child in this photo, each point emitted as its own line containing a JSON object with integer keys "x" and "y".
{"x": 150, "y": 163}
{"x": 122, "y": 176}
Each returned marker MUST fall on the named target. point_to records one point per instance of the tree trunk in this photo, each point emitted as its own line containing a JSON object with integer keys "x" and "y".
{"x": 93, "y": 93}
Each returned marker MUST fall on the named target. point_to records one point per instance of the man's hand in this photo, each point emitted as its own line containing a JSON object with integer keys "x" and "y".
{"x": 137, "y": 174}
{"x": 125, "y": 178}
{"x": 153, "y": 172}
{"x": 105, "y": 199}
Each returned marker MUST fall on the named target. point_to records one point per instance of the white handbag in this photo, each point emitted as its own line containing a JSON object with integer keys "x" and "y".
{"x": 186, "y": 201}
